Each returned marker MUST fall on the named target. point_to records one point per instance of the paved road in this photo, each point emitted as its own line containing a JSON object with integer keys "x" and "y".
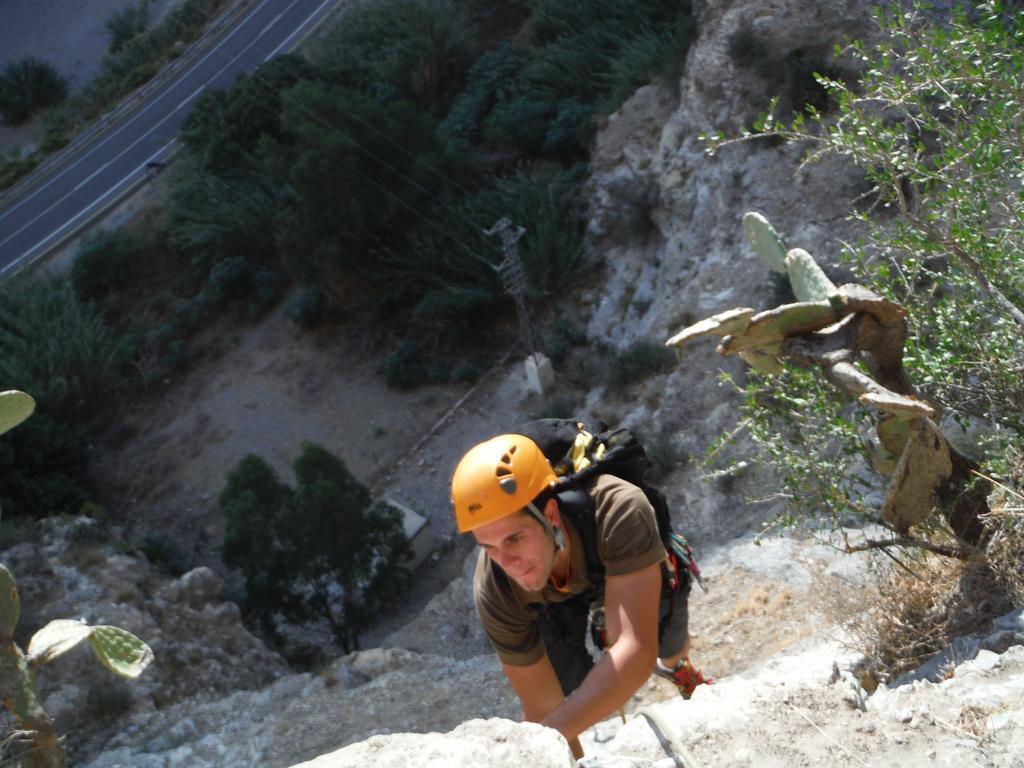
{"x": 117, "y": 159}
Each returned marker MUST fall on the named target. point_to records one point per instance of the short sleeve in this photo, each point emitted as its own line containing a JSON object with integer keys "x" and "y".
{"x": 627, "y": 528}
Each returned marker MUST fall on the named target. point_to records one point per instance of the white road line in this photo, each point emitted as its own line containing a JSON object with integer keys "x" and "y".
{"x": 301, "y": 27}
{"x": 141, "y": 138}
{"x": 138, "y": 115}
{"x": 74, "y": 219}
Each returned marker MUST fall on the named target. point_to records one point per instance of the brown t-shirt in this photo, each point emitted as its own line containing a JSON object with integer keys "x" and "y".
{"x": 627, "y": 541}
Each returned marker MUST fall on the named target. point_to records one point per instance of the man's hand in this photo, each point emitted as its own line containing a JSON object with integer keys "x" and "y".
{"x": 631, "y": 613}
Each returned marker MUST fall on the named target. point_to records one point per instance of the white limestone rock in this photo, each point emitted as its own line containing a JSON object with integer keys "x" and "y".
{"x": 495, "y": 743}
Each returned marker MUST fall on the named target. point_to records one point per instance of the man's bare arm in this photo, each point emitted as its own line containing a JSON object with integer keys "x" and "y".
{"x": 631, "y": 613}
{"x": 539, "y": 693}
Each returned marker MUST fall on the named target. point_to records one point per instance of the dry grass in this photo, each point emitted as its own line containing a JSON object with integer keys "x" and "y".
{"x": 910, "y": 614}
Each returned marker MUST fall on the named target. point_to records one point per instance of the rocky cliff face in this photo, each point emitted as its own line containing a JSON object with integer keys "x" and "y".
{"x": 666, "y": 219}
{"x": 668, "y": 214}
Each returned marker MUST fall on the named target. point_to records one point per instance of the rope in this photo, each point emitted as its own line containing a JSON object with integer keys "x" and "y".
{"x": 669, "y": 739}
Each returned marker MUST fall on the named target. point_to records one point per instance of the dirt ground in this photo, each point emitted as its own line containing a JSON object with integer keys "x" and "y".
{"x": 265, "y": 390}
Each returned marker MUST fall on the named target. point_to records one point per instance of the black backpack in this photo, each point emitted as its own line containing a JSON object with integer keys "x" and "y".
{"x": 576, "y": 455}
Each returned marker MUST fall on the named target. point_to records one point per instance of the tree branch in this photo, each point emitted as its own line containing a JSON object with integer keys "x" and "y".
{"x": 958, "y": 553}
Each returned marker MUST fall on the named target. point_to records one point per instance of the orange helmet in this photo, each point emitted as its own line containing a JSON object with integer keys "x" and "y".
{"x": 497, "y": 478}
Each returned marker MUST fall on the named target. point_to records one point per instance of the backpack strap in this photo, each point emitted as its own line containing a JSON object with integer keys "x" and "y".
{"x": 576, "y": 505}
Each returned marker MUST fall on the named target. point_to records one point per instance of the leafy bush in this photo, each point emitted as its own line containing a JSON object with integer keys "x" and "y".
{"x": 400, "y": 49}
{"x": 235, "y": 278}
{"x": 165, "y": 553}
{"x": 58, "y": 348}
{"x": 450, "y": 283}
{"x": 108, "y": 262}
{"x": 409, "y": 366}
{"x": 637, "y": 362}
{"x": 321, "y": 551}
{"x": 28, "y": 85}
{"x": 943, "y": 239}
{"x": 307, "y": 308}
{"x": 127, "y": 23}
{"x": 43, "y": 468}
{"x": 14, "y": 166}
{"x": 63, "y": 352}
{"x": 488, "y": 82}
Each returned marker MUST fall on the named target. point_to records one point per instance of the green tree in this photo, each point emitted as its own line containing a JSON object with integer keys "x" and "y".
{"x": 28, "y": 85}
{"x": 935, "y": 122}
{"x": 319, "y": 551}
{"x": 127, "y": 23}
{"x": 415, "y": 50}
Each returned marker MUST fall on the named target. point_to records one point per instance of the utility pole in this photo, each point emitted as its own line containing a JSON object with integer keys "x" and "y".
{"x": 539, "y": 373}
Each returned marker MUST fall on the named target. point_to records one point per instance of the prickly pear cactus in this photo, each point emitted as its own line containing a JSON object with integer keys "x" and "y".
{"x": 10, "y": 605}
{"x": 765, "y": 240}
{"x": 807, "y": 278}
{"x": 119, "y": 651}
{"x": 855, "y": 338}
{"x": 15, "y": 407}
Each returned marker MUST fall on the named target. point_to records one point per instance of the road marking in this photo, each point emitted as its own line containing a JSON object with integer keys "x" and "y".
{"x": 287, "y": 40}
{"x": 152, "y": 101}
{"x": 141, "y": 138}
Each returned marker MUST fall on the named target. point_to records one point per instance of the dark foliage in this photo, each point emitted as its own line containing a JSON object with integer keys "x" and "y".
{"x": 28, "y": 85}
{"x": 321, "y": 551}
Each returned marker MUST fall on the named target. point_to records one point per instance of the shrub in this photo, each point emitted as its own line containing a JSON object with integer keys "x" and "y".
{"x": 636, "y": 363}
{"x": 448, "y": 285}
{"x": 15, "y": 166}
{"x": 108, "y": 262}
{"x": 942, "y": 249}
{"x": 409, "y": 367}
{"x": 165, "y": 553}
{"x": 43, "y": 469}
{"x": 321, "y": 551}
{"x": 307, "y": 308}
{"x": 405, "y": 49}
{"x": 59, "y": 348}
{"x": 28, "y": 85}
{"x": 487, "y": 83}
{"x": 127, "y": 23}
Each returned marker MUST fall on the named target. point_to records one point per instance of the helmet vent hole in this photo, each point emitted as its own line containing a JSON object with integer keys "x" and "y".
{"x": 512, "y": 449}
{"x": 508, "y": 485}
{"x": 506, "y": 459}
{"x": 502, "y": 471}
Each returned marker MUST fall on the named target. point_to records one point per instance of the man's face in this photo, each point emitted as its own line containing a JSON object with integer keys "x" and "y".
{"x": 521, "y": 548}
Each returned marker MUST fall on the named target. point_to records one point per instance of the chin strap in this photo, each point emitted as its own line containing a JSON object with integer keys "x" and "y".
{"x": 554, "y": 533}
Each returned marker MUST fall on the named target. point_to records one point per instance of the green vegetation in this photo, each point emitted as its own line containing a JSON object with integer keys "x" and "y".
{"x": 127, "y": 23}
{"x": 637, "y": 362}
{"x": 935, "y": 124}
{"x": 358, "y": 179}
{"x": 27, "y": 86}
{"x": 297, "y": 547}
{"x": 136, "y": 54}
{"x": 38, "y": 744}
{"x": 64, "y": 351}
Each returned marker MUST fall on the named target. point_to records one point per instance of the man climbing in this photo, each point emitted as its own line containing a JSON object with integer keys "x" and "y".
{"x": 535, "y": 589}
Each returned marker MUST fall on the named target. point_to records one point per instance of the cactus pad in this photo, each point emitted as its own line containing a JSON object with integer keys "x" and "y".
{"x": 925, "y": 464}
{"x": 764, "y": 359}
{"x": 56, "y": 638}
{"x": 766, "y": 241}
{"x": 898, "y": 405}
{"x": 10, "y": 605}
{"x": 723, "y": 324}
{"x": 808, "y": 280}
{"x": 120, "y": 651}
{"x": 15, "y": 407}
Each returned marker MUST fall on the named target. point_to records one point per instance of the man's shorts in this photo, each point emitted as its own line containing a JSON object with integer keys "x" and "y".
{"x": 564, "y": 626}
